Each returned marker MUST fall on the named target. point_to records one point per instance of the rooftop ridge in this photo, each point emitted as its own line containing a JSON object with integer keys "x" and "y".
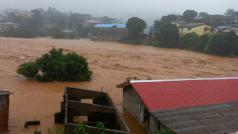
{"x": 185, "y": 79}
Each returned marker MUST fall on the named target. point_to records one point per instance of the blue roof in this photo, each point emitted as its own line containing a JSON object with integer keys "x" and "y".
{"x": 115, "y": 25}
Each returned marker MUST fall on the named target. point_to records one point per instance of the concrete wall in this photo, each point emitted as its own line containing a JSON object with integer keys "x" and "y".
{"x": 133, "y": 104}
{"x": 4, "y": 113}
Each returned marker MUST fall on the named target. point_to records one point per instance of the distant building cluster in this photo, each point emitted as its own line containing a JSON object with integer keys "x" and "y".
{"x": 113, "y": 32}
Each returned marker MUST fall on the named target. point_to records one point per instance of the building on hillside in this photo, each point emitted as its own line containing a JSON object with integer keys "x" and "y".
{"x": 198, "y": 28}
{"x": 6, "y": 25}
{"x": 225, "y": 29}
{"x": 4, "y": 111}
{"x": 186, "y": 106}
{"x": 111, "y": 32}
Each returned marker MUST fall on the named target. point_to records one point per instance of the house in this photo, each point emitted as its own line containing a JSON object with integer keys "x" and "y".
{"x": 198, "y": 28}
{"x": 225, "y": 29}
{"x": 89, "y": 107}
{"x": 186, "y": 106}
{"x": 4, "y": 111}
{"x": 6, "y": 25}
{"x": 113, "y": 32}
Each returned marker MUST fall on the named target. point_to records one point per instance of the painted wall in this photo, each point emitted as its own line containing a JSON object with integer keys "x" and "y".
{"x": 200, "y": 30}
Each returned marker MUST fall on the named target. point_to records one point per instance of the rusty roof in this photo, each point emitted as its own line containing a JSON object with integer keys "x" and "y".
{"x": 211, "y": 119}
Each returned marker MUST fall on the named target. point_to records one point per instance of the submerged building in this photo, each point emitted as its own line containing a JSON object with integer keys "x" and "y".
{"x": 90, "y": 108}
{"x": 185, "y": 106}
{"x": 111, "y": 32}
{"x": 4, "y": 111}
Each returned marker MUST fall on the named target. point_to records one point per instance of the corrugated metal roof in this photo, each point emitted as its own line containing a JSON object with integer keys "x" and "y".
{"x": 212, "y": 119}
{"x": 172, "y": 94}
{"x": 192, "y": 24}
{"x": 115, "y": 25}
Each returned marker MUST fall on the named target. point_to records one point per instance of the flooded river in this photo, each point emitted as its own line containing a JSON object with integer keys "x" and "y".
{"x": 111, "y": 64}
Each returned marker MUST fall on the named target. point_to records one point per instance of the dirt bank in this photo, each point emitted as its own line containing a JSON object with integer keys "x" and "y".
{"x": 111, "y": 63}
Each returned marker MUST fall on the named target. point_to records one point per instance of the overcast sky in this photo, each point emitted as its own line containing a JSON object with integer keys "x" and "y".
{"x": 125, "y": 8}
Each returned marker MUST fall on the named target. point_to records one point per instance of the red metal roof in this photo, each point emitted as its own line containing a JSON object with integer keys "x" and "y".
{"x": 165, "y": 95}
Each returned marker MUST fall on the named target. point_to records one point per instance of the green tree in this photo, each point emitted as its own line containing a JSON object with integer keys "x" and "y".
{"x": 223, "y": 44}
{"x": 190, "y": 41}
{"x": 203, "y": 14}
{"x": 203, "y": 42}
{"x": 189, "y": 15}
{"x": 169, "y": 18}
{"x": 167, "y": 34}
{"x": 230, "y": 12}
{"x": 56, "y": 66}
{"x": 29, "y": 69}
{"x": 135, "y": 27}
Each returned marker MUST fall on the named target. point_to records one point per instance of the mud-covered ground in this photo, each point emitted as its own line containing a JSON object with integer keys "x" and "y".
{"x": 111, "y": 63}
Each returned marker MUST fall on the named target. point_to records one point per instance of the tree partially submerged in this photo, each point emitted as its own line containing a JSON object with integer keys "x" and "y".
{"x": 56, "y": 66}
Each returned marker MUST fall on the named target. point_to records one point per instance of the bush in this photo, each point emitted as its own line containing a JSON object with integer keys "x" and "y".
{"x": 167, "y": 34}
{"x": 203, "y": 42}
{"x": 29, "y": 69}
{"x": 190, "y": 41}
{"x": 56, "y": 66}
{"x": 223, "y": 44}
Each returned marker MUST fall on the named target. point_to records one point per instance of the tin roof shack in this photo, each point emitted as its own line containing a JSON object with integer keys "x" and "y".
{"x": 90, "y": 107}
{"x": 186, "y": 106}
{"x": 109, "y": 32}
{"x": 4, "y": 111}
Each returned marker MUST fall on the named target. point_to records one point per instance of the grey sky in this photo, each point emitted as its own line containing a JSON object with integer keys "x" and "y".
{"x": 125, "y": 8}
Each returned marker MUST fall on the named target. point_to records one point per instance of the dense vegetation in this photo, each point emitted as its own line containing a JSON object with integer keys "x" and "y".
{"x": 56, "y": 66}
{"x": 50, "y": 22}
{"x": 166, "y": 34}
{"x": 135, "y": 27}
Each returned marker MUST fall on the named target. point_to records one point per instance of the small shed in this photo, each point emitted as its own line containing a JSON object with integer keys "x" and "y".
{"x": 111, "y": 32}
{"x": 186, "y": 106}
{"x": 4, "y": 111}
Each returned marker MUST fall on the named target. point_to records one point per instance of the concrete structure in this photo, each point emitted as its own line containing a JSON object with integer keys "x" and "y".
{"x": 186, "y": 106}
{"x": 112, "y": 32}
{"x": 89, "y": 107}
{"x": 4, "y": 111}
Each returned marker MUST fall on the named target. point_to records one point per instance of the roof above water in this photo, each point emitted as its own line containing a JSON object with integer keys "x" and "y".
{"x": 212, "y": 119}
{"x": 192, "y": 24}
{"x": 181, "y": 93}
{"x": 115, "y": 25}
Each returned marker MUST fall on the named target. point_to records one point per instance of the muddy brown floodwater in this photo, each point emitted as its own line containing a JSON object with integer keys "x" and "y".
{"x": 111, "y": 63}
